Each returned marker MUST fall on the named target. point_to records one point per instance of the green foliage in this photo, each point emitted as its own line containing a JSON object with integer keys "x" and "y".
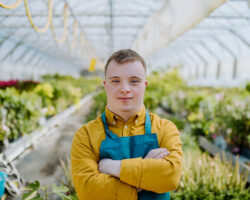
{"x": 24, "y": 108}
{"x": 67, "y": 180}
{"x": 223, "y": 113}
{"x": 100, "y": 101}
{"x": 160, "y": 85}
{"x": 86, "y": 85}
{"x": 178, "y": 121}
{"x": 210, "y": 111}
{"x": 23, "y": 112}
{"x": 32, "y": 192}
{"x": 65, "y": 191}
{"x": 189, "y": 142}
{"x": 36, "y": 192}
{"x": 61, "y": 190}
{"x": 208, "y": 178}
{"x": 248, "y": 87}
{"x": 69, "y": 90}
{"x": 44, "y": 90}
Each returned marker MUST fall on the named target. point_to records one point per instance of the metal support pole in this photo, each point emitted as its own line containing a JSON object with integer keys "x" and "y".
{"x": 234, "y": 74}
{"x": 218, "y": 70}
{"x": 200, "y": 57}
{"x": 197, "y": 64}
{"x": 189, "y": 71}
{"x": 215, "y": 56}
{"x": 235, "y": 68}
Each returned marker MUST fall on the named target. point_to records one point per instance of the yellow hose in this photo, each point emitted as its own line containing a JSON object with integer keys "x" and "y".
{"x": 45, "y": 28}
{"x": 65, "y": 30}
{"x": 73, "y": 46}
{"x": 12, "y": 6}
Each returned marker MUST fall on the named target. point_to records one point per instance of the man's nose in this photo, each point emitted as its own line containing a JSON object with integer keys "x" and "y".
{"x": 125, "y": 88}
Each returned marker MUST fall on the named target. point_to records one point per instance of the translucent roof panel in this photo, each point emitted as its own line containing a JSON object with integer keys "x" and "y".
{"x": 222, "y": 38}
{"x": 103, "y": 26}
{"x": 83, "y": 30}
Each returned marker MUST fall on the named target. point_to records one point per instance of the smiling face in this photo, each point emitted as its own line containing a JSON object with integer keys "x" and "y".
{"x": 125, "y": 86}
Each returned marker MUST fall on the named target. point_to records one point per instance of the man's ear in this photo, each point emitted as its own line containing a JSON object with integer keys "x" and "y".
{"x": 146, "y": 83}
{"x": 103, "y": 83}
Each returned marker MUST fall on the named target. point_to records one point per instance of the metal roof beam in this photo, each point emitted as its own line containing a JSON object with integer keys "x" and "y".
{"x": 11, "y": 51}
{"x": 22, "y": 56}
{"x": 238, "y": 35}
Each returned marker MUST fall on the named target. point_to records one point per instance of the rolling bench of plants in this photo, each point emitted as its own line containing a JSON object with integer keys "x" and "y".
{"x": 28, "y": 110}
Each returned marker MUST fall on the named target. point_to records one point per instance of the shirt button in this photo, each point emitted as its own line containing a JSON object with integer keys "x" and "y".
{"x": 126, "y": 126}
{"x": 136, "y": 121}
{"x": 114, "y": 122}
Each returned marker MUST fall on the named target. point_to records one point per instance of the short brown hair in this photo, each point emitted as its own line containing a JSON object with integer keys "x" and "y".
{"x": 124, "y": 56}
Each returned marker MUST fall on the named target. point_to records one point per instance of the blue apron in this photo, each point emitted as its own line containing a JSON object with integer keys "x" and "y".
{"x": 119, "y": 148}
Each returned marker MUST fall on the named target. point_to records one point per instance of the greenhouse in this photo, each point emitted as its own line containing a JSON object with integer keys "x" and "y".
{"x": 75, "y": 122}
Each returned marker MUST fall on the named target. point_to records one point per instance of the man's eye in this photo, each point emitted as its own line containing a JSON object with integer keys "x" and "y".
{"x": 134, "y": 81}
{"x": 115, "y": 81}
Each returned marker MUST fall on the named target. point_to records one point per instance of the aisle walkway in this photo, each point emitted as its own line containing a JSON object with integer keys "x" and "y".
{"x": 42, "y": 163}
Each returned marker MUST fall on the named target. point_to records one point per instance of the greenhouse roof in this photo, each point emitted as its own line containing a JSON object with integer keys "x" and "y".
{"x": 163, "y": 31}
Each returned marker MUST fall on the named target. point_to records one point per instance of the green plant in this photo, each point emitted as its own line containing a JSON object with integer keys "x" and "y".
{"x": 204, "y": 177}
{"x": 26, "y": 105}
{"x": 189, "y": 142}
{"x": 160, "y": 85}
{"x": 67, "y": 179}
{"x": 23, "y": 111}
{"x": 212, "y": 112}
{"x": 65, "y": 191}
{"x": 248, "y": 87}
{"x": 100, "y": 101}
{"x": 36, "y": 192}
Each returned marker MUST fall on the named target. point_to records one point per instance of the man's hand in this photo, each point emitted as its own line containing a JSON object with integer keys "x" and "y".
{"x": 111, "y": 167}
{"x": 157, "y": 153}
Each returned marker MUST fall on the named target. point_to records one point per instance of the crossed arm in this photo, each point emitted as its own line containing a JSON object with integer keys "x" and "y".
{"x": 113, "y": 167}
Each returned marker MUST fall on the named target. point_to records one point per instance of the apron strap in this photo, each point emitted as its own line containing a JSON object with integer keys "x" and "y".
{"x": 147, "y": 124}
{"x": 108, "y": 133}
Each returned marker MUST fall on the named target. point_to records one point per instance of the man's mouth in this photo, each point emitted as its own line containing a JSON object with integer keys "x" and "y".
{"x": 124, "y": 98}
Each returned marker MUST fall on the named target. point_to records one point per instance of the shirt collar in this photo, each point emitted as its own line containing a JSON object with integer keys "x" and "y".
{"x": 137, "y": 119}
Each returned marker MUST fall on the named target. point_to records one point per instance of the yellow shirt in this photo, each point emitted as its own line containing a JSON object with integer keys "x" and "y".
{"x": 157, "y": 175}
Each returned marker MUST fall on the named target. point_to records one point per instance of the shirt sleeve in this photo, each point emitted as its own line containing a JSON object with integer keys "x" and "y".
{"x": 157, "y": 175}
{"x": 89, "y": 183}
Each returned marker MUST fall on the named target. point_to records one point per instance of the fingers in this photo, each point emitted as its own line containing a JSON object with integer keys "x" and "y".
{"x": 157, "y": 153}
{"x": 161, "y": 155}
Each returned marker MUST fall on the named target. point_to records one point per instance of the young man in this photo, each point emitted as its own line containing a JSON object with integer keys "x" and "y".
{"x": 115, "y": 157}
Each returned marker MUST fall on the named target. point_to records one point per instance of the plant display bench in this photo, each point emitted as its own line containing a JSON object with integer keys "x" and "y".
{"x": 18, "y": 149}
